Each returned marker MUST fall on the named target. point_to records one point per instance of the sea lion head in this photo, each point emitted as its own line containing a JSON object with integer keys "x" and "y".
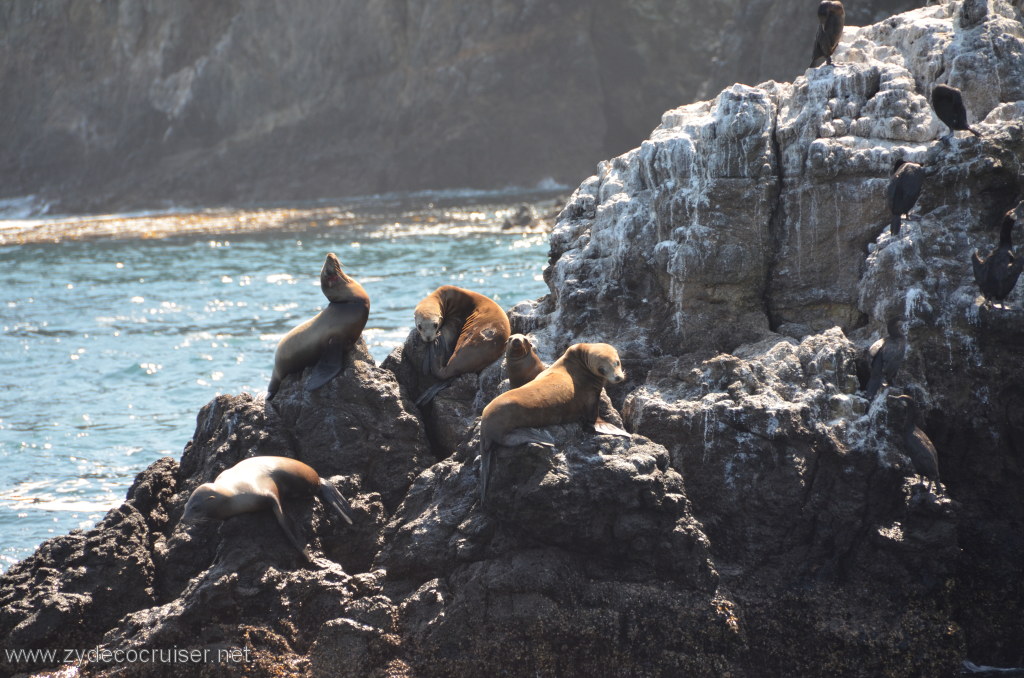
{"x": 428, "y": 323}
{"x": 603, "y": 360}
{"x": 518, "y": 347}
{"x": 333, "y": 280}
{"x": 205, "y": 503}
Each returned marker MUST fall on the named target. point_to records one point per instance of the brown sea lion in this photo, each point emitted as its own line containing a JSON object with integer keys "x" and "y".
{"x": 323, "y": 339}
{"x": 831, "y": 19}
{"x": 522, "y": 361}
{"x": 567, "y": 392}
{"x": 476, "y": 326}
{"x": 258, "y": 483}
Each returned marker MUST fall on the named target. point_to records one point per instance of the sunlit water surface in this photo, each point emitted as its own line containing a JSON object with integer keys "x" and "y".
{"x": 112, "y": 343}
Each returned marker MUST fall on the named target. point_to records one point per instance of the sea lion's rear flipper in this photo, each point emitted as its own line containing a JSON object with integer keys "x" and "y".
{"x": 283, "y": 522}
{"x": 436, "y": 355}
{"x": 335, "y": 499}
{"x": 432, "y": 391}
{"x": 525, "y": 436}
{"x": 608, "y": 429}
{"x": 486, "y": 455}
{"x": 330, "y": 365}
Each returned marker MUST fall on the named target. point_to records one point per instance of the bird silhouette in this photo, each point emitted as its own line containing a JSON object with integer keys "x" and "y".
{"x": 886, "y": 356}
{"x": 903, "y": 191}
{"x": 997, "y": 273}
{"x": 831, "y": 19}
{"x": 949, "y": 106}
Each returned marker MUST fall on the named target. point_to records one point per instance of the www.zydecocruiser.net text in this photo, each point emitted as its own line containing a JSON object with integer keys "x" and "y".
{"x": 174, "y": 655}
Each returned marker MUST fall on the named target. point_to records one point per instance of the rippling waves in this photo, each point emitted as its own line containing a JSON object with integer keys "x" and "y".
{"x": 112, "y": 343}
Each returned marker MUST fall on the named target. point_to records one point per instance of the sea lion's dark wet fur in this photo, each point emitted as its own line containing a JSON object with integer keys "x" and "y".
{"x": 324, "y": 339}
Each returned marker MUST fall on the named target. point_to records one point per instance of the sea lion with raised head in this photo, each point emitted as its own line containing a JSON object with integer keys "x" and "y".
{"x": 521, "y": 361}
{"x": 567, "y": 392}
{"x": 831, "y": 19}
{"x": 997, "y": 273}
{"x": 903, "y": 191}
{"x": 258, "y": 483}
{"x": 948, "y": 105}
{"x": 473, "y": 324}
{"x": 324, "y": 339}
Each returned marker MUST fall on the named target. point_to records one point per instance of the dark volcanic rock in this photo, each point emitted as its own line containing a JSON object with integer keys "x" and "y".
{"x": 76, "y": 586}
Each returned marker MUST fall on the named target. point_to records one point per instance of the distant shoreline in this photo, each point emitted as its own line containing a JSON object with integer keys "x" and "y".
{"x": 248, "y": 219}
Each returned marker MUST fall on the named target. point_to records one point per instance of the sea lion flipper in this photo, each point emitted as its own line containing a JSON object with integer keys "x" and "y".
{"x": 525, "y": 436}
{"x": 608, "y": 429}
{"x": 335, "y": 499}
{"x": 283, "y": 522}
{"x": 432, "y": 391}
{"x": 330, "y": 365}
{"x": 486, "y": 456}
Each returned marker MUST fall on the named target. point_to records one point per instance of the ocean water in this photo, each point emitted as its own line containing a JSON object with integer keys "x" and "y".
{"x": 115, "y": 331}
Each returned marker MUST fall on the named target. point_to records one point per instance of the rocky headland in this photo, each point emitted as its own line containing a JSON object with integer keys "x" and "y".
{"x": 109, "y": 105}
{"x": 764, "y": 517}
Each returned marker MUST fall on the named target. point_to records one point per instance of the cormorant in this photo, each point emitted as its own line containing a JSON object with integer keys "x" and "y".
{"x": 916, "y": 443}
{"x": 904, "y": 189}
{"x": 831, "y": 19}
{"x": 998, "y": 272}
{"x": 949, "y": 106}
{"x": 886, "y": 356}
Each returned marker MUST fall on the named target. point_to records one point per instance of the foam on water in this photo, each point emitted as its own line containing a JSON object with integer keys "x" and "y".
{"x": 111, "y": 344}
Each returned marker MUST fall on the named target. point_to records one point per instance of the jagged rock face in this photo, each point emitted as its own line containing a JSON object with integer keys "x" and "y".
{"x": 791, "y": 471}
{"x": 198, "y": 102}
{"x": 77, "y": 586}
{"x": 756, "y": 210}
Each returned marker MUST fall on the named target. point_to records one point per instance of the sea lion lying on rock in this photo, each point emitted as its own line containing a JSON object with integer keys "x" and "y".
{"x": 258, "y": 483}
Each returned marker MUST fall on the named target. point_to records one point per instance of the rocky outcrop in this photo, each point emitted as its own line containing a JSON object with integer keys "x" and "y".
{"x": 138, "y": 105}
{"x": 763, "y": 518}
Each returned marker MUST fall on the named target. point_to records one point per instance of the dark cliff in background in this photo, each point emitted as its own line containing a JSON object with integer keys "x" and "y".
{"x": 125, "y": 103}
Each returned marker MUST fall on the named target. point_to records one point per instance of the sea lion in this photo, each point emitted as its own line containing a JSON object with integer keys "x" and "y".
{"x": 257, "y": 483}
{"x": 831, "y": 19}
{"x": 997, "y": 273}
{"x": 903, "y": 191}
{"x": 948, "y": 104}
{"x": 522, "y": 361}
{"x": 886, "y": 357}
{"x": 567, "y": 392}
{"x": 918, "y": 446}
{"x": 323, "y": 339}
{"x": 476, "y": 326}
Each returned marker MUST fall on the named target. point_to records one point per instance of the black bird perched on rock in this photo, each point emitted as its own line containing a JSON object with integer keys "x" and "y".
{"x": 949, "y": 106}
{"x": 904, "y": 189}
{"x": 997, "y": 273}
{"x": 831, "y": 19}
{"x": 886, "y": 356}
{"x": 916, "y": 443}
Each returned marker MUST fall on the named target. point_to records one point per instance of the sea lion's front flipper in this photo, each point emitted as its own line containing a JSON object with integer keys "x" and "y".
{"x": 283, "y": 522}
{"x": 607, "y": 428}
{"x": 432, "y": 391}
{"x": 524, "y": 436}
{"x": 330, "y": 494}
{"x": 330, "y": 365}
